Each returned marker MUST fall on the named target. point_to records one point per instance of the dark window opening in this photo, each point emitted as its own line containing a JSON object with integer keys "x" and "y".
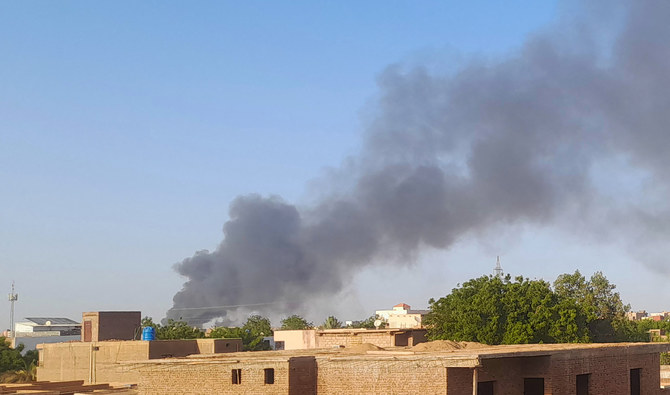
{"x": 533, "y": 386}
{"x": 635, "y": 381}
{"x": 237, "y": 376}
{"x": 269, "y": 376}
{"x": 583, "y": 384}
{"x": 485, "y": 387}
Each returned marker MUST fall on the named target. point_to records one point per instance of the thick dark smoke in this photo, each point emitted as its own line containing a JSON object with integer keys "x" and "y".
{"x": 548, "y": 135}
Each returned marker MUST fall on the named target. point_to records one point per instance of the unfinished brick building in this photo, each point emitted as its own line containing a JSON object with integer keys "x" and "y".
{"x": 327, "y": 338}
{"x": 595, "y": 369}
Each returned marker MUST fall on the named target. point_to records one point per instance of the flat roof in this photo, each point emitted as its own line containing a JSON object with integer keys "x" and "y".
{"x": 465, "y": 357}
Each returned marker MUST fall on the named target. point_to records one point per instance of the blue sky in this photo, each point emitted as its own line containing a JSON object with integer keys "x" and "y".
{"x": 126, "y": 128}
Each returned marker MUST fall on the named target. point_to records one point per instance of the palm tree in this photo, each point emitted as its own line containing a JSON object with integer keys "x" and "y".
{"x": 332, "y": 323}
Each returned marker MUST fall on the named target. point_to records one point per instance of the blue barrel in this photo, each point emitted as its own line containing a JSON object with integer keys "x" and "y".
{"x": 148, "y": 333}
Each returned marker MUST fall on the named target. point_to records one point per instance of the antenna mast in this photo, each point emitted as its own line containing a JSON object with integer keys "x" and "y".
{"x": 13, "y": 297}
{"x": 498, "y": 270}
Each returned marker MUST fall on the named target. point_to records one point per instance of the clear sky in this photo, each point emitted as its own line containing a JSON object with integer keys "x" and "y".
{"x": 127, "y": 128}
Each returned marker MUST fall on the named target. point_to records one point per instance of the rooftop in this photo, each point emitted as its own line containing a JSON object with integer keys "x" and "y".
{"x": 470, "y": 355}
{"x": 51, "y": 321}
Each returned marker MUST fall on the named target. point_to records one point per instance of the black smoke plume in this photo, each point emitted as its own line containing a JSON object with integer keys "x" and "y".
{"x": 548, "y": 135}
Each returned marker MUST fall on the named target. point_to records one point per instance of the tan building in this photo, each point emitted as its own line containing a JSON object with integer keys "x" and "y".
{"x": 558, "y": 369}
{"x": 100, "y": 362}
{"x": 328, "y": 338}
{"x": 402, "y": 316}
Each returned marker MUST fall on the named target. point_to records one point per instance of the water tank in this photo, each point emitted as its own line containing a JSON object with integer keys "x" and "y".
{"x": 148, "y": 333}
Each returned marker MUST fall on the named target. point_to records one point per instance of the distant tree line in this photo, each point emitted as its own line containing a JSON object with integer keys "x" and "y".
{"x": 252, "y": 333}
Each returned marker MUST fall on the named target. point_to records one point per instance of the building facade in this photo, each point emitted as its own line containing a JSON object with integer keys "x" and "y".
{"x": 562, "y": 369}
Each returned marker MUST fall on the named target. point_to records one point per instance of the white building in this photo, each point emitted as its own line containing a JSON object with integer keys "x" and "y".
{"x": 402, "y": 316}
{"x": 37, "y": 330}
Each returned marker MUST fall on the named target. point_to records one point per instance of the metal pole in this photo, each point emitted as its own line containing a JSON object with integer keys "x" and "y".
{"x": 13, "y": 297}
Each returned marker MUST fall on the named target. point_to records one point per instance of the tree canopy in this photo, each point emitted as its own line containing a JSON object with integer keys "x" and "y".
{"x": 496, "y": 310}
{"x": 173, "y": 330}
{"x": 251, "y": 333}
{"x": 295, "y": 322}
{"x": 332, "y": 323}
{"x": 14, "y": 366}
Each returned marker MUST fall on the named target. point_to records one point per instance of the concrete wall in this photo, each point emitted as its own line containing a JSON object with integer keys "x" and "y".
{"x": 296, "y": 339}
{"x": 404, "y": 321}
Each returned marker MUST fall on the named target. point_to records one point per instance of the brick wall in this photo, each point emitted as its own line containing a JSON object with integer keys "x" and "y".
{"x": 213, "y": 378}
{"x": 329, "y": 340}
{"x": 459, "y": 381}
{"x": 609, "y": 374}
{"x": 509, "y": 373}
{"x": 341, "y": 376}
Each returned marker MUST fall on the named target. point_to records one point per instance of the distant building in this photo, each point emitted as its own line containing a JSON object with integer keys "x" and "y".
{"x": 329, "y": 338}
{"x": 64, "y": 326}
{"x": 636, "y": 315}
{"x": 402, "y": 316}
{"x": 37, "y": 330}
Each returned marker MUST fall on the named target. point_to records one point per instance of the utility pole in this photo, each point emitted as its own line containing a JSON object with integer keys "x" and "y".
{"x": 498, "y": 270}
{"x": 13, "y": 297}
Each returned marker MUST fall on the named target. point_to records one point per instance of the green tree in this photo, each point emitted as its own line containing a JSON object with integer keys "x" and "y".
{"x": 177, "y": 330}
{"x": 368, "y": 323}
{"x": 251, "y": 333}
{"x": 295, "y": 322}
{"x": 15, "y": 367}
{"x": 496, "y": 310}
{"x": 148, "y": 321}
{"x": 332, "y": 323}
{"x": 604, "y": 309}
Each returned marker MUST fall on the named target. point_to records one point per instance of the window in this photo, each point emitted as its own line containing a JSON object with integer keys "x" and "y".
{"x": 485, "y": 387}
{"x": 583, "y": 384}
{"x": 635, "y": 381}
{"x": 533, "y": 386}
{"x": 237, "y": 376}
{"x": 269, "y": 376}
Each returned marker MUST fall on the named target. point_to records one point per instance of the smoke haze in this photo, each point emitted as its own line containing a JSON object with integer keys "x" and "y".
{"x": 555, "y": 134}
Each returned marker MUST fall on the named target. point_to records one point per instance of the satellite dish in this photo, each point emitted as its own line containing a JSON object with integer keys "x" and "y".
{"x": 48, "y": 323}
{"x": 378, "y": 323}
